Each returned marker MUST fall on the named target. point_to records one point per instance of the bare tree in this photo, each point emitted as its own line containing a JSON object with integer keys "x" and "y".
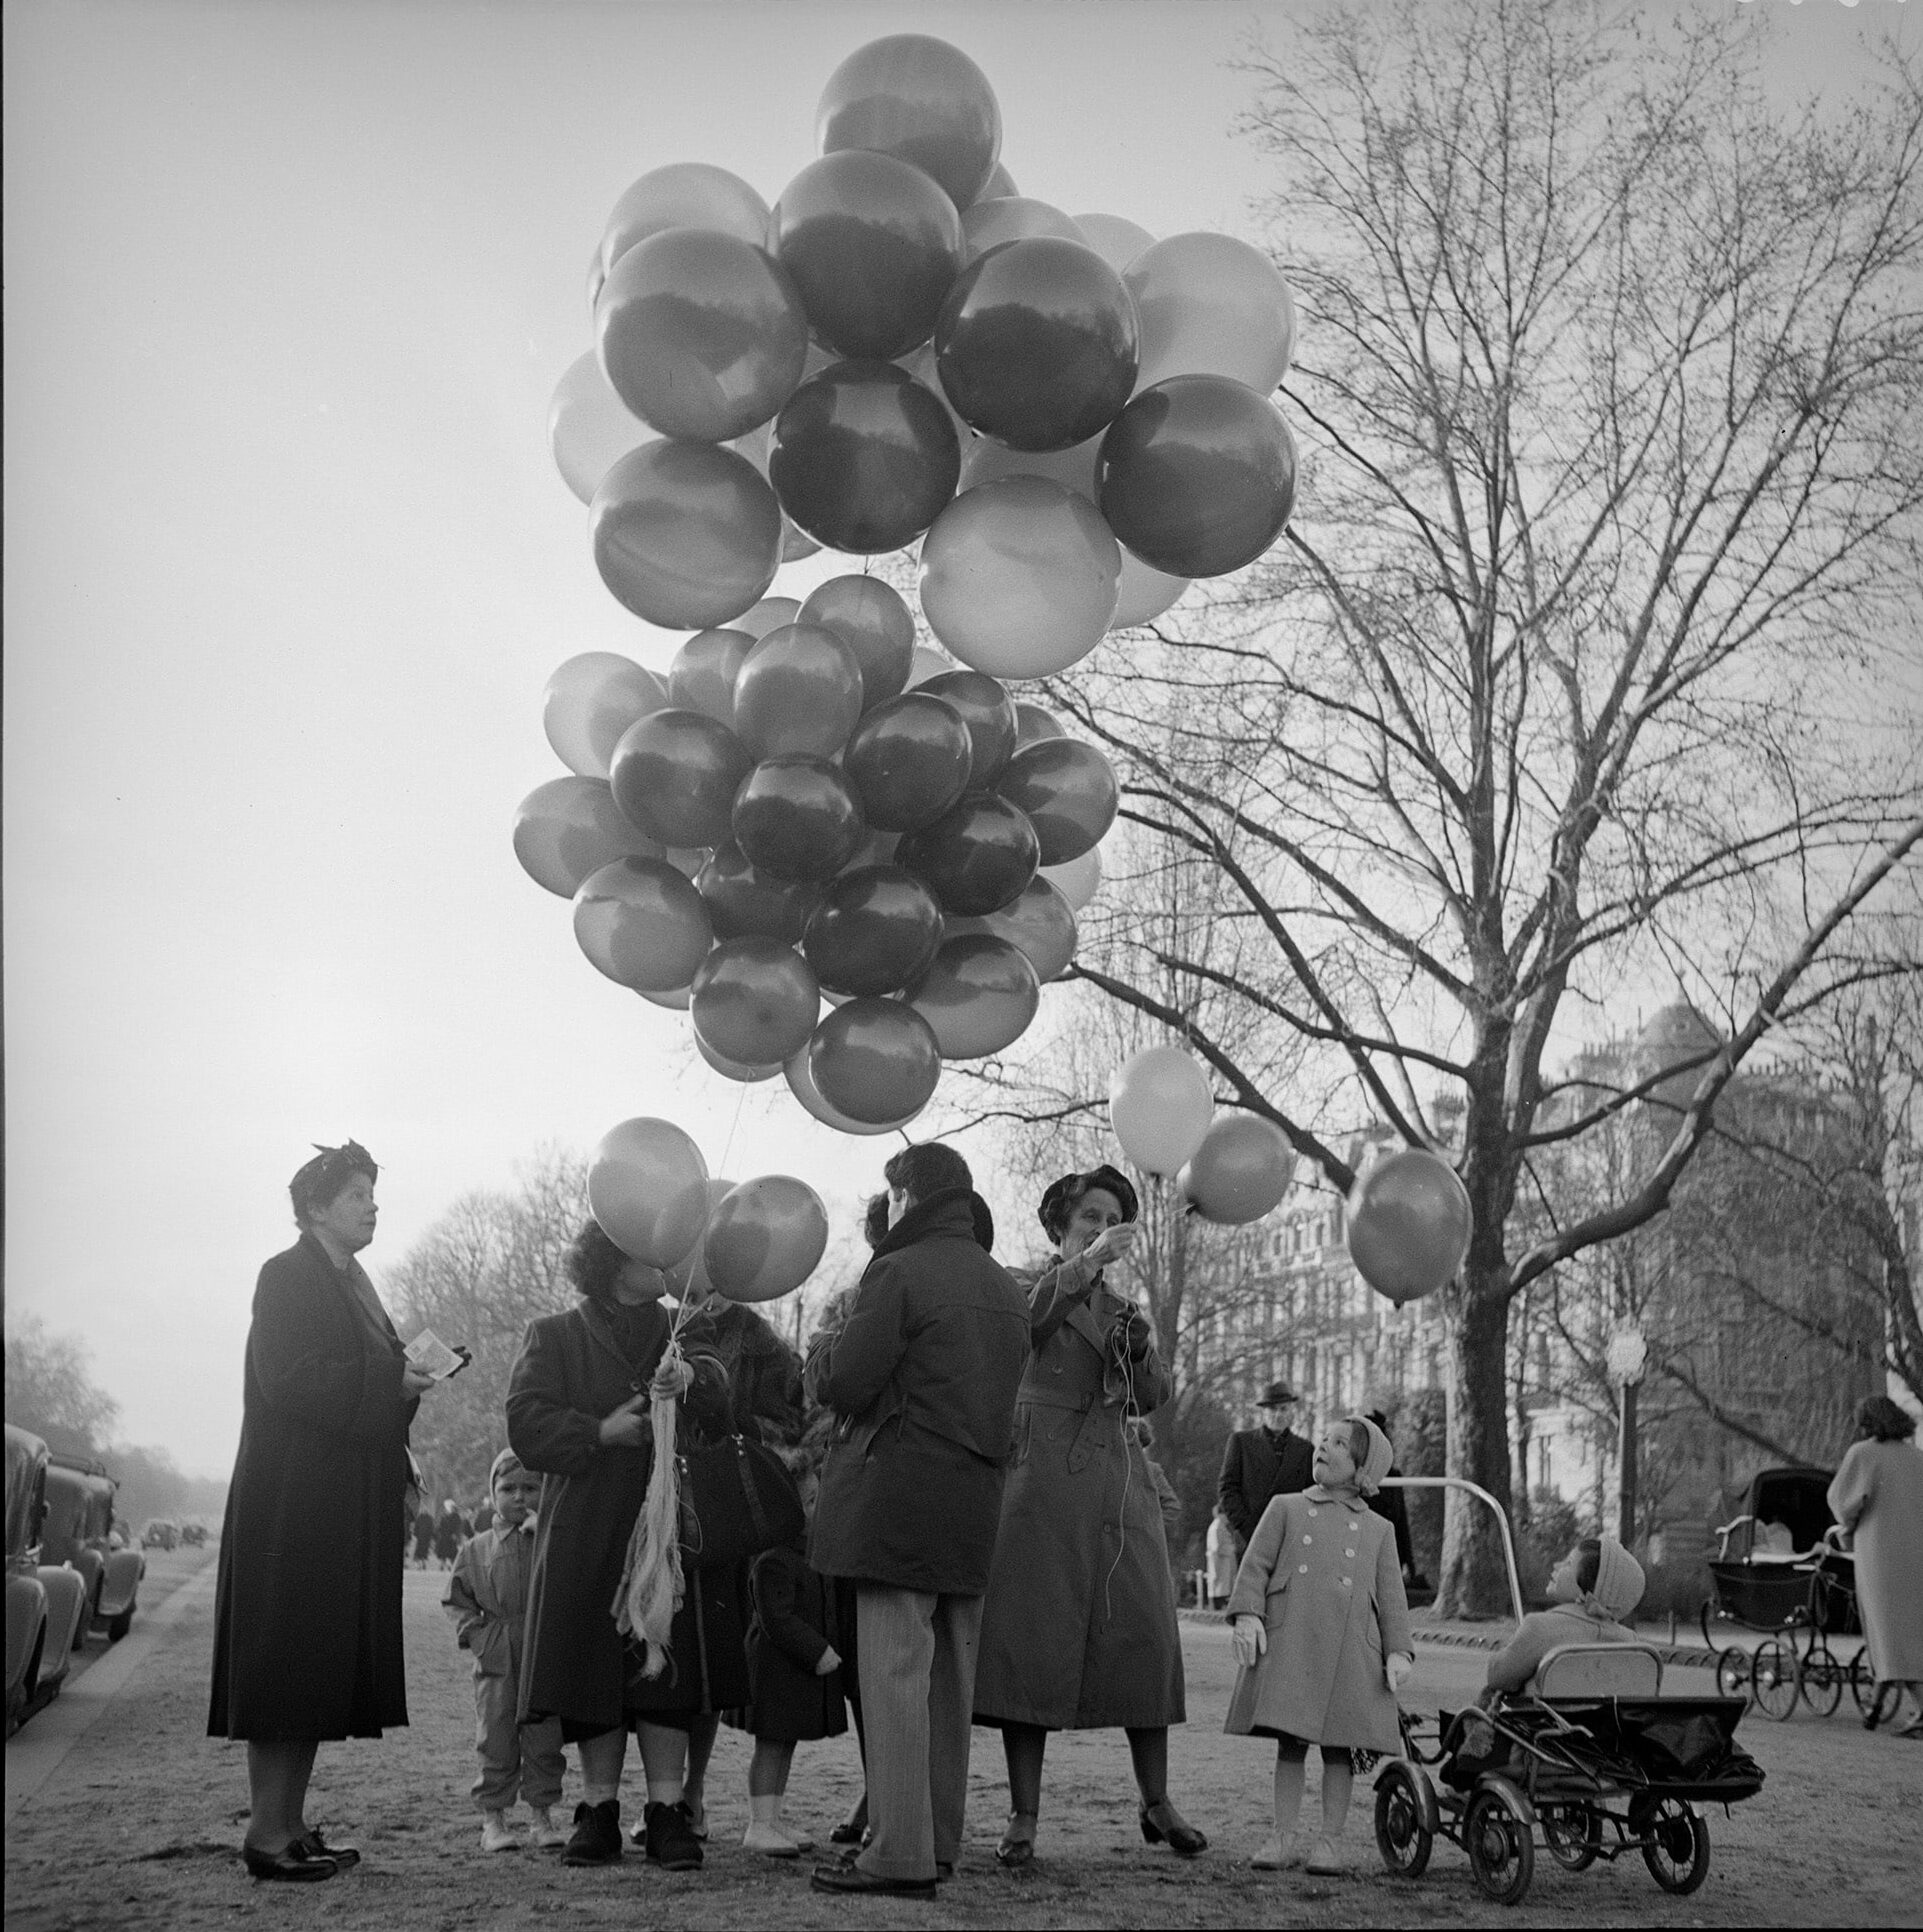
{"x": 1581, "y": 667}
{"x": 50, "y": 1388}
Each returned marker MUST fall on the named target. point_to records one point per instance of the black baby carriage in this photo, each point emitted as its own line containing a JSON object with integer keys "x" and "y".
{"x": 1778, "y": 1569}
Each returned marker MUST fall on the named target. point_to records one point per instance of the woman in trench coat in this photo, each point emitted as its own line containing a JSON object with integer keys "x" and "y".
{"x": 1877, "y": 1496}
{"x": 307, "y": 1617}
{"x": 1079, "y": 1630}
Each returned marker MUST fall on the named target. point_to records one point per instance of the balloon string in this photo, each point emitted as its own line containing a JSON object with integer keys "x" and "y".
{"x": 1128, "y": 1471}
{"x": 741, "y": 1100}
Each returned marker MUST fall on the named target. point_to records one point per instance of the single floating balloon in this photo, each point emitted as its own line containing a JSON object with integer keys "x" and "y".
{"x": 735, "y": 1070}
{"x": 675, "y": 774}
{"x": 1145, "y": 593}
{"x": 874, "y": 1060}
{"x": 875, "y": 929}
{"x": 985, "y": 707}
{"x": 1040, "y": 924}
{"x": 801, "y": 1083}
{"x": 590, "y": 701}
{"x": 742, "y": 901}
{"x": 1068, "y": 791}
{"x": 754, "y": 1001}
{"x": 647, "y": 1187}
{"x": 909, "y": 761}
{"x": 976, "y": 858}
{"x": 1160, "y": 1107}
{"x": 685, "y": 534}
{"x": 642, "y": 924}
{"x": 764, "y": 1238}
{"x": 684, "y": 194}
{"x": 870, "y": 617}
{"x": 798, "y": 691}
{"x": 1211, "y": 305}
{"x": 921, "y": 100}
{"x": 979, "y": 994}
{"x": 797, "y": 818}
{"x": 702, "y": 676}
{"x": 1240, "y": 1171}
{"x": 1409, "y": 1224}
{"x": 589, "y": 427}
{"x": 570, "y": 827}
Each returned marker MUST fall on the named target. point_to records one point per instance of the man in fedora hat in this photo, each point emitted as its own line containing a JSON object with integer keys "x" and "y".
{"x": 1260, "y": 1463}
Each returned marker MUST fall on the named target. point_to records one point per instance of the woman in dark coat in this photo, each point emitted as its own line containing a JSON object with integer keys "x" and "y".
{"x": 307, "y": 1621}
{"x": 1079, "y": 1629}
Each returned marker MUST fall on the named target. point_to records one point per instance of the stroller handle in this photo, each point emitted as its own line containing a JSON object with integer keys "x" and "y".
{"x": 1502, "y": 1521}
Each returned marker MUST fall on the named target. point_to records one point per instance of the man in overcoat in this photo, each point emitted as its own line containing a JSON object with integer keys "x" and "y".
{"x": 922, "y": 1373}
{"x": 1262, "y": 1463}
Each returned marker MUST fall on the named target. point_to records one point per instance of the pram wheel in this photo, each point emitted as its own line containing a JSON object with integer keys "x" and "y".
{"x": 1573, "y": 1833}
{"x": 1776, "y": 1678}
{"x": 1400, "y": 1835}
{"x": 1732, "y": 1671}
{"x": 1675, "y": 1842}
{"x": 1863, "y": 1685}
{"x": 1822, "y": 1678}
{"x": 1501, "y": 1848}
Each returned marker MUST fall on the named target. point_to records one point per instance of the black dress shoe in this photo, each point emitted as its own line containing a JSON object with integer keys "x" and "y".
{"x": 853, "y": 1880}
{"x": 294, "y": 1864}
{"x": 848, "y": 1833}
{"x": 671, "y": 1841}
{"x": 596, "y": 1839}
{"x": 1162, "y": 1824}
{"x": 316, "y": 1846}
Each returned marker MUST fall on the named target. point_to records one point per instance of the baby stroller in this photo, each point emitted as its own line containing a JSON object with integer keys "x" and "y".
{"x": 1778, "y": 1569}
{"x": 1595, "y": 1757}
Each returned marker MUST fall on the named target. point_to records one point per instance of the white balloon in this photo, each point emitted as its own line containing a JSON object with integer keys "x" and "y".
{"x": 589, "y": 427}
{"x": 590, "y": 701}
{"x": 1077, "y": 880}
{"x": 1145, "y": 592}
{"x": 1117, "y": 241}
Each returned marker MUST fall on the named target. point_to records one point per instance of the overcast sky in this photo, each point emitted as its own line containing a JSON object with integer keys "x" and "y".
{"x": 288, "y": 285}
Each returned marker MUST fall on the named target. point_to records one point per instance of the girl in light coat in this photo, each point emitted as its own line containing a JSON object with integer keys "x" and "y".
{"x": 1321, "y": 1630}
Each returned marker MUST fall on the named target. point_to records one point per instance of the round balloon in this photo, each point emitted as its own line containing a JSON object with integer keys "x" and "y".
{"x": 999, "y": 186}
{"x": 675, "y": 774}
{"x": 765, "y": 1237}
{"x": 754, "y": 1001}
{"x": 873, "y": 245}
{"x": 979, "y": 994}
{"x": 647, "y": 1187}
{"x": 685, "y": 534}
{"x": 1160, "y": 1107}
{"x": 798, "y": 690}
{"x": 770, "y": 614}
{"x": 1069, "y": 793}
{"x": 1117, "y": 241}
{"x": 591, "y": 701}
{"x": 684, "y": 194}
{"x": 688, "y": 1278}
{"x": 976, "y": 858}
{"x": 1036, "y": 343}
{"x": 870, "y": 617}
{"x": 1409, "y": 1224}
{"x": 675, "y": 999}
{"x": 984, "y": 461}
{"x": 702, "y": 676}
{"x": 733, "y": 1069}
{"x": 797, "y": 818}
{"x": 988, "y": 223}
{"x": 925, "y": 664}
{"x": 920, "y": 100}
{"x": 1212, "y": 306}
{"x": 801, "y": 1083}
{"x": 1079, "y": 880}
{"x": 642, "y": 924}
{"x": 1145, "y": 593}
{"x": 1033, "y": 723}
{"x": 1240, "y": 1171}
{"x": 1197, "y": 476}
{"x": 701, "y": 333}
{"x": 875, "y": 929}
{"x": 589, "y": 427}
{"x": 864, "y": 457}
{"x": 909, "y": 761}
{"x": 1019, "y": 577}
{"x": 569, "y": 827}
{"x": 743, "y": 901}
{"x": 989, "y": 713}
{"x": 1039, "y": 924}
{"x": 874, "y": 1060}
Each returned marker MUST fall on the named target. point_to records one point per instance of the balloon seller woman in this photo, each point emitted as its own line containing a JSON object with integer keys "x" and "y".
{"x": 1079, "y": 1629}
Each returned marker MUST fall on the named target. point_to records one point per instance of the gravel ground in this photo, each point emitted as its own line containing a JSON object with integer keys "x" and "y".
{"x": 139, "y": 1823}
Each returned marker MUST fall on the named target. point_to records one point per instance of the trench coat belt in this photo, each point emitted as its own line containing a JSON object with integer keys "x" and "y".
{"x": 1090, "y": 1439}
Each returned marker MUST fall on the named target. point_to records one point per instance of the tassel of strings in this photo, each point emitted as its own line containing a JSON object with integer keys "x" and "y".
{"x": 653, "y": 1584}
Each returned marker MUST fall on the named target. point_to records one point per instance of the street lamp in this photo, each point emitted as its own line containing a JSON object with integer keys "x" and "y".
{"x": 1627, "y": 1356}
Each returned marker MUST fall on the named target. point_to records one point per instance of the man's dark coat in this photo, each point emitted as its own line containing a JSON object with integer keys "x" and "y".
{"x": 1256, "y": 1466}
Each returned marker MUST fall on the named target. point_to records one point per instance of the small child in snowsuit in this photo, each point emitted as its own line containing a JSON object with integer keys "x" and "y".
{"x": 486, "y": 1597}
{"x": 795, "y": 1671}
{"x": 1321, "y": 1630}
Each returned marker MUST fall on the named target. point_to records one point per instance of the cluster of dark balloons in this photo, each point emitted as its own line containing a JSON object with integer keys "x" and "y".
{"x": 1072, "y": 417}
{"x": 784, "y": 821}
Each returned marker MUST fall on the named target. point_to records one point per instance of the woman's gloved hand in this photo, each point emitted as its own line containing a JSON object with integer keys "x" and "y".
{"x": 1398, "y": 1667}
{"x": 1250, "y": 1640}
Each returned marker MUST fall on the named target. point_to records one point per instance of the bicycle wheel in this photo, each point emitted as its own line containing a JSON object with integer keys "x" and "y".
{"x": 1822, "y": 1679}
{"x": 1732, "y": 1672}
{"x": 1573, "y": 1833}
{"x": 1400, "y": 1835}
{"x": 1675, "y": 1842}
{"x": 1776, "y": 1678}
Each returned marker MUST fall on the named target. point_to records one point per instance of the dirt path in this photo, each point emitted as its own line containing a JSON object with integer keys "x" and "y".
{"x": 138, "y": 1826}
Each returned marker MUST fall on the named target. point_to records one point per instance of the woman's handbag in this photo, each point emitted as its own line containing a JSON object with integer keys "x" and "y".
{"x": 737, "y": 1499}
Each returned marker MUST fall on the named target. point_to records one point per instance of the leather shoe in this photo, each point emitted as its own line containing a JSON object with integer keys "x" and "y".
{"x": 292, "y": 1864}
{"x": 596, "y": 1839}
{"x": 671, "y": 1841}
{"x": 1162, "y": 1824}
{"x": 316, "y": 1846}
{"x": 848, "y": 1833}
{"x": 852, "y": 1879}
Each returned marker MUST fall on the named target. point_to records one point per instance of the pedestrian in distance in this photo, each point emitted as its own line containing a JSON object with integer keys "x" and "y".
{"x": 450, "y": 1532}
{"x": 1224, "y": 1553}
{"x": 1877, "y": 1496}
{"x": 307, "y": 1614}
{"x": 486, "y": 1597}
{"x": 1321, "y": 1631}
{"x": 922, "y": 1370}
{"x": 423, "y": 1537}
{"x": 1260, "y": 1463}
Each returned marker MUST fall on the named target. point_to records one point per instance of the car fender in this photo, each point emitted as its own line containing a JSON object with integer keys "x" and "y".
{"x": 26, "y": 1619}
{"x": 66, "y": 1593}
{"x": 90, "y": 1565}
{"x": 121, "y": 1584}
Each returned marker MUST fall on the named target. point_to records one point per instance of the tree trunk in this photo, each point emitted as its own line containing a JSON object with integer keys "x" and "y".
{"x": 1475, "y": 1578}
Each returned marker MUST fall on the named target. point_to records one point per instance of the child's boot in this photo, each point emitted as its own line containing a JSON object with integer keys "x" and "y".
{"x": 764, "y": 1833}
{"x": 544, "y": 1834}
{"x": 495, "y": 1835}
{"x": 1326, "y": 1861}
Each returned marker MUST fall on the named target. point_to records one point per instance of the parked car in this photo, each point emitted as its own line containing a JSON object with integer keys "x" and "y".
{"x": 160, "y": 1534}
{"x": 79, "y": 1530}
{"x": 193, "y": 1535}
{"x": 46, "y": 1603}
